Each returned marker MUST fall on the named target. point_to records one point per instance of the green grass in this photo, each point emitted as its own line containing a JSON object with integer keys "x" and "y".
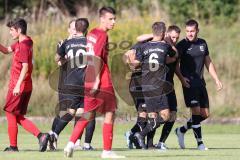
{"x": 222, "y": 140}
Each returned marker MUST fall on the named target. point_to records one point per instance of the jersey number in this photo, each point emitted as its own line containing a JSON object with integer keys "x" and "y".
{"x": 153, "y": 62}
{"x": 76, "y": 60}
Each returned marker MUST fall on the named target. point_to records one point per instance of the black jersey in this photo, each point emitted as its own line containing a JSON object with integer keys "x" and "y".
{"x": 192, "y": 55}
{"x": 152, "y": 56}
{"x": 171, "y": 71}
{"x": 135, "y": 83}
{"x": 72, "y": 73}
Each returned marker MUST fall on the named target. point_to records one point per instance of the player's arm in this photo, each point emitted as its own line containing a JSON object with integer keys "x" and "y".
{"x": 60, "y": 54}
{"x": 5, "y": 50}
{"x": 98, "y": 63}
{"x": 130, "y": 58}
{"x": 185, "y": 81}
{"x": 144, "y": 37}
{"x": 172, "y": 57}
{"x": 212, "y": 70}
{"x": 24, "y": 70}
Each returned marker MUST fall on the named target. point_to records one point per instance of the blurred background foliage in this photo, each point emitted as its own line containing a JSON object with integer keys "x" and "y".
{"x": 48, "y": 22}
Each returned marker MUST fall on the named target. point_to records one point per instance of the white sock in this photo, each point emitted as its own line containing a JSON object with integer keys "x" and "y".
{"x": 70, "y": 144}
{"x": 51, "y": 132}
{"x": 55, "y": 134}
{"x": 87, "y": 145}
{"x": 105, "y": 151}
{"x": 78, "y": 142}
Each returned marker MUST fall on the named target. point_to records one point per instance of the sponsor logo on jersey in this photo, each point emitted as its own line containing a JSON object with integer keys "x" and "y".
{"x": 92, "y": 39}
{"x": 194, "y": 101}
{"x": 201, "y": 48}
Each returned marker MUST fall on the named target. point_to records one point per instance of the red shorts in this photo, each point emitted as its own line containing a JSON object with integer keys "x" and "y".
{"x": 17, "y": 104}
{"x": 103, "y": 101}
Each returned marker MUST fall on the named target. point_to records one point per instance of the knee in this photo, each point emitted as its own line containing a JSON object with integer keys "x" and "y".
{"x": 89, "y": 116}
{"x": 173, "y": 116}
{"x": 79, "y": 112}
{"x": 142, "y": 114}
{"x": 195, "y": 111}
{"x": 11, "y": 120}
{"x": 204, "y": 113}
{"x": 109, "y": 117}
{"x": 165, "y": 115}
{"x": 71, "y": 111}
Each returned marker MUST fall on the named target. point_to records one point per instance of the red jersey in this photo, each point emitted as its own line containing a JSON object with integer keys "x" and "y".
{"x": 97, "y": 45}
{"x": 105, "y": 100}
{"x": 22, "y": 53}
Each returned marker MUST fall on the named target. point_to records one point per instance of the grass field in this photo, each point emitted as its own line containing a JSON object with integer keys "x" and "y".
{"x": 223, "y": 142}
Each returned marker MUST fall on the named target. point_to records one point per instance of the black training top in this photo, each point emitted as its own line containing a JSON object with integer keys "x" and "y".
{"x": 152, "y": 56}
{"x": 192, "y": 57}
{"x": 72, "y": 73}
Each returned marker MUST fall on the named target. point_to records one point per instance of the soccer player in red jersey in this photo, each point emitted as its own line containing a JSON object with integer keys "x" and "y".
{"x": 99, "y": 93}
{"x": 20, "y": 85}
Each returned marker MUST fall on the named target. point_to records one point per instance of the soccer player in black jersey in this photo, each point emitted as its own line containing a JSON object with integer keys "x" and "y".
{"x": 152, "y": 60}
{"x": 194, "y": 54}
{"x": 171, "y": 38}
{"x": 136, "y": 93}
{"x": 71, "y": 81}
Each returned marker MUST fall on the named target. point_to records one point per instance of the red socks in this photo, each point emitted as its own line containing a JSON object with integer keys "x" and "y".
{"x": 78, "y": 129}
{"x": 28, "y": 125}
{"x": 107, "y": 136}
{"x": 13, "y": 128}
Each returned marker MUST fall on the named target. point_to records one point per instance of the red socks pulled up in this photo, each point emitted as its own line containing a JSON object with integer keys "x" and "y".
{"x": 107, "y": 132}
{"x": 13, "y": 120}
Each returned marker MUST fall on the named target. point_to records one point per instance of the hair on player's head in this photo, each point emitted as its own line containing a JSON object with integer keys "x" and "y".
{"x": 105, "y": 10}
{"x": 192, "y": 22}
{"x": 18, "y": 23}
{"x": 81, "y": 25}
{"x": 174, "y": 28}
{"x": 158, "y": 28}
{"x": 70, "y": 22}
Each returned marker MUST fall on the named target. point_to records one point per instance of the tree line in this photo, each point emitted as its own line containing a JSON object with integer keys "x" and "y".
{"x": 209, "y": 11}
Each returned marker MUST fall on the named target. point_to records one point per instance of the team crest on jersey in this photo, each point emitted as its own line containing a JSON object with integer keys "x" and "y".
{"x": 202, "y": 48}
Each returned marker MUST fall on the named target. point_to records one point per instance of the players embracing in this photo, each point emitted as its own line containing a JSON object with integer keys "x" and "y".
{"x": 152, "y": 57}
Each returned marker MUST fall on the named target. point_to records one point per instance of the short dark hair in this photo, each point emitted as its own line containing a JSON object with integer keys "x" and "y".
{"x": 192, "y": 22}
{"x": 105, "y": 10}
{"x": 158, "y": 28}
{"x": 81, "y": 25}
{"x": 174, "y": 28}
{"x": 18, "y": 23}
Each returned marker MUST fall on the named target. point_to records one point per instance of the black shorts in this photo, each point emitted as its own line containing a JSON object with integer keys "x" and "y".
{"x": 156, "y": 104}
{"x": 196, "y": 96}
{"x": 70, "y": 101}
{"x": 138, "y": 102}
{"x": 172, "y": 101}
{"x": 135, "y": 90}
